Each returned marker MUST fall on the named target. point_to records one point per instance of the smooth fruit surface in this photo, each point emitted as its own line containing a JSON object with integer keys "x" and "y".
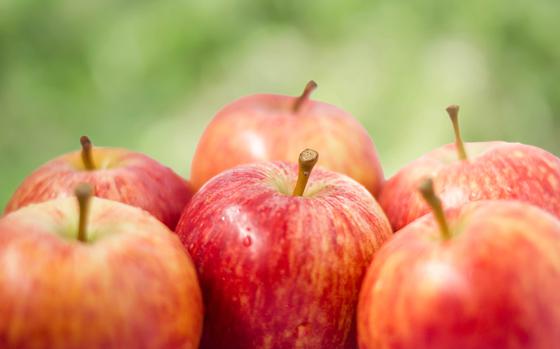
{"x": 121, "y": 175}
{"x": 281, "y": 271}
{"x": 493, "y": 284}
{"x": 494, "y": 170}
{"x": 131, "y": 285}
{"x": 265, "y": 127}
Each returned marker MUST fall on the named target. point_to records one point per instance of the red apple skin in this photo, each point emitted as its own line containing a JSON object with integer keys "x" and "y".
{"x": 132, "y": 285}
{"x": 125, "y": 176}
{"x": 265, "y": 127}
{"x": 495, "y": 170}
{"x": 493, "y": 285}
{"x": 280, "y": 271}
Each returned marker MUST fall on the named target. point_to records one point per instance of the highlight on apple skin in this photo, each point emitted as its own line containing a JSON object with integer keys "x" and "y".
{"x": 116, "y": 279}
{"x": 277, "y": 127}
{"x": 114, "y": 173}
{"x": 488, "y": 171}
{"x": 492, "y": 282}
{"x": 281, "y": 267}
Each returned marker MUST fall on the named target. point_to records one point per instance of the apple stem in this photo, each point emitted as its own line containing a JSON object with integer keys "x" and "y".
{"x": 83, "y": 193}
{"x": 309, "y": 88}
{"x": 427, "y": 190}
{"x": 87, "y": 156}
{"x": 453, "y": 111}
{"x": 307, "y": 159}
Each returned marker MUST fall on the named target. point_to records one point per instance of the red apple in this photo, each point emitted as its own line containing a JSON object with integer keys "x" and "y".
{"x": 474, "y": 171}
{"x": 118, "y": 279}
{"x": 483, "y": 276}
{"x": 276, "y": 127}
{"x": 281, "y": 269}
{"x": 116, "y": 174}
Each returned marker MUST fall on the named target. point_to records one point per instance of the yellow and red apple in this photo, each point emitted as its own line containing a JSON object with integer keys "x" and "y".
{"x": 276, "y": 127}
{"x": 464, "y": 172}
{"x": 485, "y": 275}
{"x": 114, "y": 173}
{"x": 280, "y": 262}
{"x": 98, "y": 275}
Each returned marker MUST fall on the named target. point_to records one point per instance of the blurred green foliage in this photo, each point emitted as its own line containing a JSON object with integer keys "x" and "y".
{"x": 148, "y": 75}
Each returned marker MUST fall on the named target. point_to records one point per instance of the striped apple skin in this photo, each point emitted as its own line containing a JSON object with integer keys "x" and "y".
{"x": 279, "y": 271}
{"x": 131, "y": 285}
{"x": 493, "y": 284}
{"x": 494, "y": 170}
{"x": 125, "y": 176}
{"x": 265, "y": 127}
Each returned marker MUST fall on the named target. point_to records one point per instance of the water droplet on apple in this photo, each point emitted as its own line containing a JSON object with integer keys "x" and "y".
{"x": 302, "y": 329}
{"x": 247, "y": 241}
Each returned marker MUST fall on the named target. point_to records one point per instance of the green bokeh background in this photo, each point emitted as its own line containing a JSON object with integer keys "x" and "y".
{"x": 149, "y": 75}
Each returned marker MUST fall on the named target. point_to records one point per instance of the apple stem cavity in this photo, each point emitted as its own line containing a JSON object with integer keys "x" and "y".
{"x": 428, "y": 193}
{"x": 83, "y": 193}
{"x": 453, "y": 112}
{"x": 307, "y": 159}
{"x": 87, "y": 156}
{"x": 309, "y": 88}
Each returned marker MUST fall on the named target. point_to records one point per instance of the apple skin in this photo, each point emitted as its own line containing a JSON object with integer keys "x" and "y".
{"x": 495, "y": 170}
{"x": 265, "y": 127}
{"x": 493, "y": 285}
{"x": 131, "y": 286}
{"x": 276, "y": 270}
{"x": 125, "y": 176}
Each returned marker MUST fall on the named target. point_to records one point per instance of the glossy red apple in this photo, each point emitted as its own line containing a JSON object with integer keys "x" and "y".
{"x": 118, "y": 279}
{"x": 474, "y": 171}
{"x": 277, "y": 127}
{"x": 486, "y": 277}
{"x": 116, "y": 174}
{"x": 281, "y": 269}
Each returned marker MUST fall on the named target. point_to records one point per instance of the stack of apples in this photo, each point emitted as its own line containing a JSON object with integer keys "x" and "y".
{"x": 286, "y": 236}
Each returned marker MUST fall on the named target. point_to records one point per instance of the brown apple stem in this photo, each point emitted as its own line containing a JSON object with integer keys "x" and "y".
{"x": 309, "y": 88}
{"x": 427, "y": 190}
{"x": 83, "y": 193}
{"x": 453, "y": 111}
{"x": 307, "y": 159}
{"x": 87, "y": 156}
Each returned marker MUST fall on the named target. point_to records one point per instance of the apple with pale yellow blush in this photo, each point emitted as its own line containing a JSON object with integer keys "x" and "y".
{"x": 114, "y": 173}
{"x": 95, "y": 274}
{"x": 482, "y": 276}
{"x": 276, "y": 127}
{"x": 464, "y": 172}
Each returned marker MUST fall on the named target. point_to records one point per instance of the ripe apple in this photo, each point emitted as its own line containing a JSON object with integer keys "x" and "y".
{"x": 104, "y": 275}
{"x": 281, "y": 269}
{"x": 464, "y": 172}
{"x": 486, "y": 276}
{"x": 116, "y": 174}
{"x": 277, "y": 127}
